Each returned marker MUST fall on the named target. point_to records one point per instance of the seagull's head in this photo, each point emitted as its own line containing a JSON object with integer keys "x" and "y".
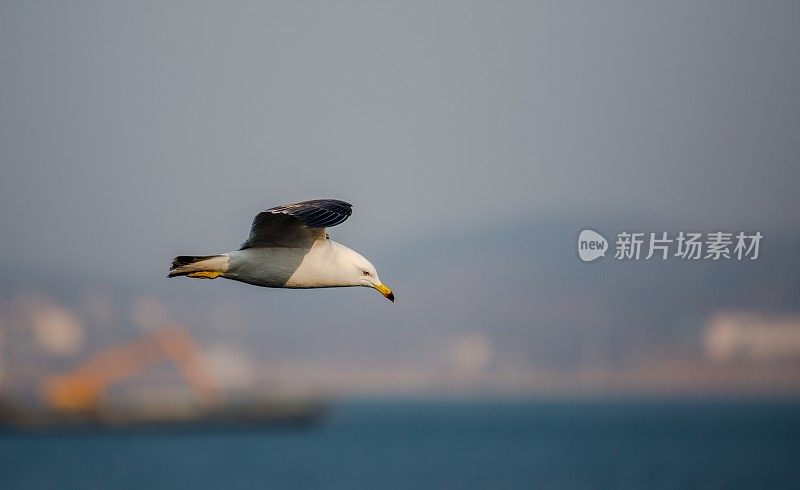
{"x": 363, "y": 273}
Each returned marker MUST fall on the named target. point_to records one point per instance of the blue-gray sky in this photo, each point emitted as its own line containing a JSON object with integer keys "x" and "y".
{"x": 130, "y": 132}
{"x": 475, "y": 140}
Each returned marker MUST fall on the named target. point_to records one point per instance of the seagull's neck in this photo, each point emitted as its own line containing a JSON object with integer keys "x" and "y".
{"x": 327, "y": 264}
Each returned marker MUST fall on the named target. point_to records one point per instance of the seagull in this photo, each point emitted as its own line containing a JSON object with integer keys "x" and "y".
{"x": 289, "y": 248}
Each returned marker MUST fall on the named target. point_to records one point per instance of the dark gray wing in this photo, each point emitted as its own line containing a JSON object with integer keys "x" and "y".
{"x": 318, "y": 213}
{"x": 296, "y": 225}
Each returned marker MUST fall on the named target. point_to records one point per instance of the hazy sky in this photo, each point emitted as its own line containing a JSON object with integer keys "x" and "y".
{"x": 134, "y": 131}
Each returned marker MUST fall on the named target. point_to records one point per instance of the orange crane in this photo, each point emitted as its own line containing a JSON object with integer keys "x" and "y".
{"x": 84, "y": 388}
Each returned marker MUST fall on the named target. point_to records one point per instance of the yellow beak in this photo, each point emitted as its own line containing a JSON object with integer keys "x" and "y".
{"x": 385, "y": 291}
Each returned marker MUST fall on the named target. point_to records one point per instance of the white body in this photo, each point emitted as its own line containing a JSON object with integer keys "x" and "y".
{"x": 325, "y": 264}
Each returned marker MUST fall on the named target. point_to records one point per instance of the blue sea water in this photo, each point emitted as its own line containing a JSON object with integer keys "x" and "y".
{"x": 453, "y": 444}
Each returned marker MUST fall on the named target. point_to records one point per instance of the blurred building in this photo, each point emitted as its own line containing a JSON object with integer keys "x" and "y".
{"x": 747, "y": 336}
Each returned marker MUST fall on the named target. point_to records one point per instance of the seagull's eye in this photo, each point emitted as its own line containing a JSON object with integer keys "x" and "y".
{"x": 366, "y": 273}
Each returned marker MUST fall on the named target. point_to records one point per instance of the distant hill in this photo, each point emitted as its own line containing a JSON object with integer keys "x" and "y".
{"x": 519, "y": 288}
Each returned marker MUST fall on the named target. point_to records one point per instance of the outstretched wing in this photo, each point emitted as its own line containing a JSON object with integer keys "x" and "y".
{"x": 296, "y": 225}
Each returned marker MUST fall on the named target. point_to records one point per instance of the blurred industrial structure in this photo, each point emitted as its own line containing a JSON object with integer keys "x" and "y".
{"x": 78, "y": 397}
{"x": 83, "y": 389}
